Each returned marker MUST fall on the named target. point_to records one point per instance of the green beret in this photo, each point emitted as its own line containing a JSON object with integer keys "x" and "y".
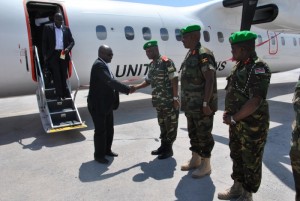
{"x": 190, "y": 28}
{"x": 242, "y": 36}
{"x": 150, "y": 43}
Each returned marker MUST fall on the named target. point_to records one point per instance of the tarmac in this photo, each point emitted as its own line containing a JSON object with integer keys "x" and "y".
{"x": 38, "y": 166}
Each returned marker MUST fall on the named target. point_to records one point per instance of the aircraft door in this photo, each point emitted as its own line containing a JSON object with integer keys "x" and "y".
{"x": 273, "y": 43}
{"x": 39, "y": 14}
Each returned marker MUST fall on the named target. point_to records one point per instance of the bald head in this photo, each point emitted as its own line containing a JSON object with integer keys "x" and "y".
{"x": 58, "y": 20}
{"x": 105, "y": 53}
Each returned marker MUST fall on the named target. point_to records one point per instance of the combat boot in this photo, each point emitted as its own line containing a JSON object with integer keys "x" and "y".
{"x": 246, "y": 196}
{"x": 235, "y": 191}
{"x": 159, "y": 150}
{"x": 203, "y": 169}
{"x": 167, "y": 152}
{"x": 193, "y": 163}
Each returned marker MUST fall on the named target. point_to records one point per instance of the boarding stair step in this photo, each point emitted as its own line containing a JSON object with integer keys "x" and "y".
{"x": 59, "y": 117}
{"x": 57, "y": 106}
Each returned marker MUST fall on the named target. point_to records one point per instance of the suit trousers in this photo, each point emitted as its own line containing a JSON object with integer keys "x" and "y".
{"x": 104, "y": 131}
{"x": 58, "y": 68}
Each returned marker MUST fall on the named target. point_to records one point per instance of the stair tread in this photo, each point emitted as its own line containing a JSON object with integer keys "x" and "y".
{"x": 66, "y": 123}
{"x": 59, "y": 111}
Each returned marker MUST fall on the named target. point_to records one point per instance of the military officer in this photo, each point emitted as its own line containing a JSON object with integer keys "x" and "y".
{"x": 295, "y": 148}
{"x": 247, "y": 114}
{"x": 198, "y": 100}
{"x": 163, "y": 78}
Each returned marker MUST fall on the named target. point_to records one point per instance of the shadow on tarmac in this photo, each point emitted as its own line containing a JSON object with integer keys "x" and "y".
{"x": 92, "y": 171}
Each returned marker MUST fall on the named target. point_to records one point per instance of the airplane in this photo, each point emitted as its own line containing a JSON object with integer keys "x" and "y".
{"x": 125, "y": 27}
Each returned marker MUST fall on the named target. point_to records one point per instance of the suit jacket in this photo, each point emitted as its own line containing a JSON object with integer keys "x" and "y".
{"x": 49, "y": 40}
{"x": 104, "y": 90}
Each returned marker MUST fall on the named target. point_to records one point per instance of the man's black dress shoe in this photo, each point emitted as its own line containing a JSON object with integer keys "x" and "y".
{"x": 101, "y": 160}
{"x": 113, "y": 154}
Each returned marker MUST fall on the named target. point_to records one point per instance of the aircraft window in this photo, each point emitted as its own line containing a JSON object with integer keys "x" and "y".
{"x": 101, "y": 32}
{"x": 178, "y": 34}
{"x": 282, "y": 41}
{"x": 295, "y": 41}
{"x": 206, "y": 36}
{"x": 273, "y": 40}
{"x": 259, "y": 39}
{"x": 164, "y": 34}
{"x": 147, "y": 33}
{"x": 220, "y": 37}
{"x": 129, "y": 33}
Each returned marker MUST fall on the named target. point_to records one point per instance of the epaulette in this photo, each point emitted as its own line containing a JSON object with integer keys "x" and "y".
{"x": 259, "y": 61}
{"x": 204, "y": 50}
{"x": 164, "y": 58}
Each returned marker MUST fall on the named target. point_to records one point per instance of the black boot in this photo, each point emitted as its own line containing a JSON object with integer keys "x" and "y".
{"x": 166, "y": 152}
{"x": 159, "y": 150}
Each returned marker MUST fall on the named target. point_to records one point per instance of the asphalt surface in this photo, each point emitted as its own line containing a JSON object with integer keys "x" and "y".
{"x": 39, "y": 166}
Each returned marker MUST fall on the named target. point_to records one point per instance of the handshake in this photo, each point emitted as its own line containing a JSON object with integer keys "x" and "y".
{"x": 132, "y": 89}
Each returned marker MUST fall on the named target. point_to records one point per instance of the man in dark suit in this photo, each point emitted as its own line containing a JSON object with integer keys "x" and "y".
{"x": 56, "y": 45}
{"x": 103, "y": 98}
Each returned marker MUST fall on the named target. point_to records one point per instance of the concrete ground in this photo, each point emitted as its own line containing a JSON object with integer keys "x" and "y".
{"x": 39, "y": 166}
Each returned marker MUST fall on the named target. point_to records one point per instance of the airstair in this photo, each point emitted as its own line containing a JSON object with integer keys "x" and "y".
{"x": 56, "y": 115}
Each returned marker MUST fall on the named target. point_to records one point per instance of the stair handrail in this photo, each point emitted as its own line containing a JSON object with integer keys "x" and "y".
{"x": 77, "y": 77}
{"x": 40, "y": 77}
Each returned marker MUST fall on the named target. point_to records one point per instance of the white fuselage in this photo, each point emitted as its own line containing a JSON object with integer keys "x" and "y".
{"x": 129, "y": 63}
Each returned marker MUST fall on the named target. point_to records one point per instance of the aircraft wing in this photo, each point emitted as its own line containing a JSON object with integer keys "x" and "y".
{"x": 275, "y": 15}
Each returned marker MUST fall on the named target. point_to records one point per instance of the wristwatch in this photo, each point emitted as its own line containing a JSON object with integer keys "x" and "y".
{"x": 175, "y": 98}
{"x": 204, "y": 104}
{"x": 232, "y": 120}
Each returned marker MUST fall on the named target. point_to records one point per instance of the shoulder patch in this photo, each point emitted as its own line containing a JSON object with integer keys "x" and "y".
{"x": 164, "y": 58}
{"x": 205, "y": 60}
{"x": 259, "y": 71}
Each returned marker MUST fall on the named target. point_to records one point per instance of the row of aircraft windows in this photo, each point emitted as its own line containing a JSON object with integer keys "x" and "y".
{"x": 164, "y": 34}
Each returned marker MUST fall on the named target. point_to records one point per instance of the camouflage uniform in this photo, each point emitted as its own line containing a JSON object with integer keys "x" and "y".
{"x": 295, "y": 148}
{"x": 160, "y": 74}
{"x": 192, "y": 95}
{"x": 247, "y": 137}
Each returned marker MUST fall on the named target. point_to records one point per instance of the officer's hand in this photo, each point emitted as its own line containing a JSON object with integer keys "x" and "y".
{"x": 176, "y": 104}
{"x": 207, "y": 111}
{"x": 226, "y": 117}
{"x": 132, "y": 89}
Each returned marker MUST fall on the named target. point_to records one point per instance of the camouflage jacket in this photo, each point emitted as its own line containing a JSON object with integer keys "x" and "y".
{"x": 296, "y": 104}
{"x": 160, "y": 74}
{"x": 193, "y": 81}
{"x": 245, "y": 81}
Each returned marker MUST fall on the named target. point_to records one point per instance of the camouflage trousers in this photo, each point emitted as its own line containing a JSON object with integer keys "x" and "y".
{"x": 246, "y": 151}
{"x": 168, "y": 123}
{"x": 199, "y": 129}
{"x": 295, "y": 160}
